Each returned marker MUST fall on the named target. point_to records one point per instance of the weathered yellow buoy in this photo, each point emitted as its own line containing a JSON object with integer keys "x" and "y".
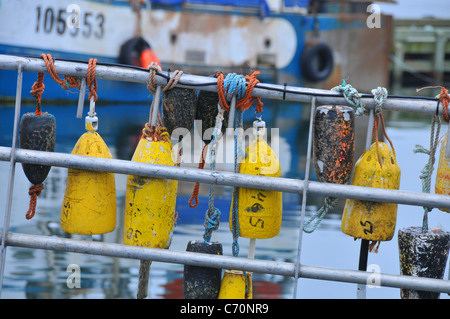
{"x": 89, "y": 205}
{"x": 259, "y": 211}
{"x": 442, "y": 185}
{"x": 369, "y": 220}
{"x": 236, "y": 285}
{"x": 150, "y": 202}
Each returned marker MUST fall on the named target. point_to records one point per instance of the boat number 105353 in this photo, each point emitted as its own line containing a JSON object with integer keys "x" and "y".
{"x": 50, "y": 20}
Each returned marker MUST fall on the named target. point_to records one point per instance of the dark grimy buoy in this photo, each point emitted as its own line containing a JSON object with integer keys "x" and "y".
{"x": 179, "y": 108}
{"x": 38, "y": 133}
{"x": 207, "y": 111}
{"x": 334, "y": 146}
{"x": 334, "y": 143}
{"x": 202, "y": 282}
{"x": 422, "y": 254}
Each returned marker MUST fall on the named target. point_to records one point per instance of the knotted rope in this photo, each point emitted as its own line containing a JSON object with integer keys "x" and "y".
{"x": 36, "y": 91}
{"x": 91, "y": 80}
{"x": 427, "y": 170}
{"x": 242, "y": 87}
{"x": 34, "y": 192}
{"x": 352, "y": 96}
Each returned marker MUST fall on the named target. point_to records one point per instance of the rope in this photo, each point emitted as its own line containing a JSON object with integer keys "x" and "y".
{"x": 443, "y": 97}
{"x": 212, "y": 215}
{"x": 328, "y": 204}
{"x": 68, "y": 80}
{"x": 352, "y": 96}
{"x": 195, "y": 192}
{"x": 238, "y": 135}
{"x": 242, "y": 86}
{"x": 426, "y": 172}
{"x": 91, "y": 81}
{"x": 34, "y": 192}
{"x": 36, "y": 91}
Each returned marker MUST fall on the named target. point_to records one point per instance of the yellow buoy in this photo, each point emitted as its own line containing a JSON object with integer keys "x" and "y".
{"x": 442, "y": 185}
{"x": 89, "y": 205}
{"x": 236, "y": 285}
{"x": 366, "y": 219}
{"x": 259, "y": 211}
{"x": 150, "y": 202}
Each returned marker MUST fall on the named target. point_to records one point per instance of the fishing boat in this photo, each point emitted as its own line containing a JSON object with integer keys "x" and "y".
{"x": 298, "y": 42}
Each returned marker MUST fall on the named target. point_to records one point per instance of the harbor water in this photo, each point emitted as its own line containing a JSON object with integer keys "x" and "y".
{"x": 42, "y": 274}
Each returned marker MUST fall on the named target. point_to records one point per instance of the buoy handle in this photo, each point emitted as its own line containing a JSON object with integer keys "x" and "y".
{"x": 259, "y": 127}
{"x": 91, "y": 121}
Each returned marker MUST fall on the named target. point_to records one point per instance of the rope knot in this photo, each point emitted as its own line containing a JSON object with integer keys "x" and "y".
{"x": 352, "y": 96}
{"x": 34, "y": 192}
{"x": 379, "y": 95}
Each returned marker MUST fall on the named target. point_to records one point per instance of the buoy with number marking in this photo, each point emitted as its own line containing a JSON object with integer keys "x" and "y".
{"x": 442, "y": 184}
{"x": 370, "y": 220}
{"x": 236, "y": 285}
{"x": 259, "y": 211}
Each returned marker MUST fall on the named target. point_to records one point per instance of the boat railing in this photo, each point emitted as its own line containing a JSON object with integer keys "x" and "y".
{"x": 304, "y": 187}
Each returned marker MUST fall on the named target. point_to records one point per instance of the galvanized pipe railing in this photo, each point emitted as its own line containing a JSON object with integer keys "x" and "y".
{"x": 273, "y": 91}
{"x": 225, "y": 178}
{"x": 223, "y": 262}
{"x": 122, "y": 73}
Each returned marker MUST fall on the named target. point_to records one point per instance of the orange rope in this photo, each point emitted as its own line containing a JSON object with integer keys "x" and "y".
{"x": 36, "y": 91}
{"x": 52, "y": 71}
{"x": 245, "y": 102}
{"x": 34, "y": 192}
{"x": 443, "y": 97}
{"x": 91, "y": 81}
{"x": 375, "y": 135}
{"x": 195, "y": 192}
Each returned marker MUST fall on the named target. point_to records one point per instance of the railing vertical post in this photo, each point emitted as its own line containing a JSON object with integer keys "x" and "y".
{"x": 12, "y": 169}
{"x": 363, "y": 253}
{"x": 304, "y": 195}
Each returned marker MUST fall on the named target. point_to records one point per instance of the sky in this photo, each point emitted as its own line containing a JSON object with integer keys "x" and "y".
{"x": 417, "y": 9}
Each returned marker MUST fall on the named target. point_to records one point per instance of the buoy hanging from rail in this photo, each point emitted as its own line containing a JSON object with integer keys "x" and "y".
{"x": 334, "y": 145}
{"x": 422, "y": 254}
{"x": 374, "y": 221}
{"x": 37, "y": 132}
{"x": 89, "y": 204}
{"x": 259, "y": 211}
{"x": 150, "y": 203}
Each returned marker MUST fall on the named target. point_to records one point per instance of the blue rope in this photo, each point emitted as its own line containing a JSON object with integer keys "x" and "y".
{"x": 235, "y": 84}
{"x": 328, "y": 204}
{"x": 212, "y": 215}
{"x": 237, "y": 158}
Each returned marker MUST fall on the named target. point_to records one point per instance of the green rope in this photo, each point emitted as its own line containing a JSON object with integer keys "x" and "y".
{"x": 428, "y": 168}
{"x": 352, "y": 96}
{"x": 328, "y": 204}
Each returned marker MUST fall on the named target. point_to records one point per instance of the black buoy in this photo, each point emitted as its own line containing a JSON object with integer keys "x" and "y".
{"x": 202, "y": 282}
{"x": 207, "y": 110}
{"x": 179, "y": 108}
{"x": 37, "y": 132}
{"x": 422, "y": 254}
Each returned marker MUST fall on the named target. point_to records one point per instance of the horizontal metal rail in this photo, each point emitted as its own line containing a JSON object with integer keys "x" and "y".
{"x": 296, "y": 94}
{"x": 225, "y": 178}
{"x": 273, "y": 91}
{"x": 224, "y": 262}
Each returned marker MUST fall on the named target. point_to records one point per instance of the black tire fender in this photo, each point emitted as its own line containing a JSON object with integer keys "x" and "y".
{"x": 317, "y": 62}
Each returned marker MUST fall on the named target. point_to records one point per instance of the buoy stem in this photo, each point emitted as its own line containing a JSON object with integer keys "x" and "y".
{"x": 155, "y": 105}
{"x": 144, "y": 274}
{"x": 251, "y": 248}
{"x": 81, "y": 98}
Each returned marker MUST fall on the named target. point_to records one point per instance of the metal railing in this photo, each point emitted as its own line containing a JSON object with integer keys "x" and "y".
{"x": 304, "y": 187}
